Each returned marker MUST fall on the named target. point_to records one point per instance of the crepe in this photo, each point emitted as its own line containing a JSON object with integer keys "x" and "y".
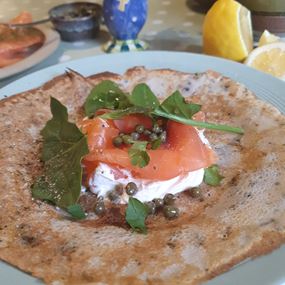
{"x": 244, "y": 217}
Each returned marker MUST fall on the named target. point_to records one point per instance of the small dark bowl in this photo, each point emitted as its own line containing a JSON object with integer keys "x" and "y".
{"x": 76, "y": 21}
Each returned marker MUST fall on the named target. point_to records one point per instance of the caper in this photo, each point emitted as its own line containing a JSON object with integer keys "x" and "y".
{"x": 127, "y": 139}
{"x": 170, "y": 212}
{"x": 131, "y": 188}
{"x": 135, "y": 136}
{"x": 156, "y": 128}
{"x": 153, "y": 137}
{"x": 169, "y": 199}
{"x": 99, "y": 208}
{"x": 117, "y": 141}
{"x": 140, "y": 129}
{"x": 147, "y": 132}
{"x": 114, "y": 196}
{"x": 158, "y": 202}
{"x": 163, "y": 136}
{"x": 195, "y": 192}
{"x": 121, "y": 134}
{"x": 150, "y": 207}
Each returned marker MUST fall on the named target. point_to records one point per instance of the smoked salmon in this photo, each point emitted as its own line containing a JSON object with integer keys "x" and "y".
{"x": 182, "y": 152}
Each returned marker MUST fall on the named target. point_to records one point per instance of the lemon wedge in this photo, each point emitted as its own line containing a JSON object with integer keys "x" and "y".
{"x": 267, "y": 38}
{"x": 269, "y": 58}
{"x": 227, "y": 30}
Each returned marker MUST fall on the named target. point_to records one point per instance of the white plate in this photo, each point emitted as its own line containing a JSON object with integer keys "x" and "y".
{"x": 52, "y": 40}
{"x": 265, "y": 270}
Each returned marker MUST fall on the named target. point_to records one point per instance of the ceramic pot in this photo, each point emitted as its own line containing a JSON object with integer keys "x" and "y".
{"x": 124, "y": 20}
{"x": 267, "y": 14}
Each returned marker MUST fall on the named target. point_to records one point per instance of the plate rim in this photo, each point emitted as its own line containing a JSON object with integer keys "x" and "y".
{"x": 58, "y": 69}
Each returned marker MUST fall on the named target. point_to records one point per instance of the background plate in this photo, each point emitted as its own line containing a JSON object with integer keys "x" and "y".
{"x": 50, "y": 45}
{"x": 265, "y": 270}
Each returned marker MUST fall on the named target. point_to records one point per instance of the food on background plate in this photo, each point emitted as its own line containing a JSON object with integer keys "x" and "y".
{"x": 210, "y": 229}
{"x": 16, "y": 43}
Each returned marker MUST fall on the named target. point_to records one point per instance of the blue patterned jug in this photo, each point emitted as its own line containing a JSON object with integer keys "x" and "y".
{"x": 125, "y": 19}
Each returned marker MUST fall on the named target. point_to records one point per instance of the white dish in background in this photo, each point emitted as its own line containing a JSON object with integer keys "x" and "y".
{"x": 52, "y": 40}
{"x": 265, "y": 270}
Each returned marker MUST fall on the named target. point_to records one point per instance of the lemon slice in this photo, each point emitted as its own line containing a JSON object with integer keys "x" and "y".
{"x": 267, "y": 38}
{"x": 269, "y": 58}
{"x": 227, "y": 30}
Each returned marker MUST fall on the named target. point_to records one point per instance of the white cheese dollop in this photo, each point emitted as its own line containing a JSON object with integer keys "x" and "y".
{"x": 103, "y": 181}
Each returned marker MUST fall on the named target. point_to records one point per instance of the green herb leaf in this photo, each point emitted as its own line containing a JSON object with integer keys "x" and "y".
{"x": 76, "y": 212}
{"x": 212, "y": 176}
{"x": 175, "y": 104}
{"x": 64, "y": 146}
{"x": 156, "y": 144}
{"x": 106, "y": 95}
{"x": 180, "y": 119}
{"x": 142, "y": 96}
{"x": 136, "y": 214}
{"x": 138, "y": 154}
{"x": 118, "y": 114}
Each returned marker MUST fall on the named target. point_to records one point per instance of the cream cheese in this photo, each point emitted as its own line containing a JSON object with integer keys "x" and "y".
{"x": 103, "y": 181}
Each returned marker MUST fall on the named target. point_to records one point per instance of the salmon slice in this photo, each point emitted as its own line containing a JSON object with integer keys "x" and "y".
{"x": 183, "y": 151}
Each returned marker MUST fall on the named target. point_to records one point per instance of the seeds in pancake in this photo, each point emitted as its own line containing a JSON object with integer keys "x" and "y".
{"x": 151, "y": 207}
{"x": 99, "y": 208}
{"x": 170, "y": 212}
{"x": 169, "y": 199}
{"x": 195, "y": 192}
{"x": 131, "y": 188}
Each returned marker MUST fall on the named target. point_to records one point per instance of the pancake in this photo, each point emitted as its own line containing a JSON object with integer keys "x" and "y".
{"x": 243, "y": 218}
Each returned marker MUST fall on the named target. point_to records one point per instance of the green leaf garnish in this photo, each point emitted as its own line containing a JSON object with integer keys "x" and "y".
{"x": 136, "y": 214}
{"x": 118, "y": 114}
{"x": 175, "y": 104}
{"x": 76, "y": 212}
{"x": 106, "y": 95}
{"x": 156, "y": 144}
{"x": 143, "y": 101}
{"x": 63, "y": 147}
{"x": 138, "y": 154}
{"x": 212, "y": 176}
{"x": 142, "y": 96}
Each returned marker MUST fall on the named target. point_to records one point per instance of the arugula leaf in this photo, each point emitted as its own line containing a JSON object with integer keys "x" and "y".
{"x": 181, "y": 119}
{"x": 76, "y": 212}
{"x": 106, "y": 95}
{"x": 142, "y": 96}
{"x": 156, "y": 144}
{"x": 175, "y": 104}
{"x": 136, "y": 214}
{"x": 138, "y": 154}
{"x": 64, "y": 146}
{"x": 212, "y": 176}
{"x": 118, "y": 114}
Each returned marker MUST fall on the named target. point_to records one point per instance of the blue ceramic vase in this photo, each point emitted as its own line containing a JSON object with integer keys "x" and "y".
{"x": 124, "y": 20}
